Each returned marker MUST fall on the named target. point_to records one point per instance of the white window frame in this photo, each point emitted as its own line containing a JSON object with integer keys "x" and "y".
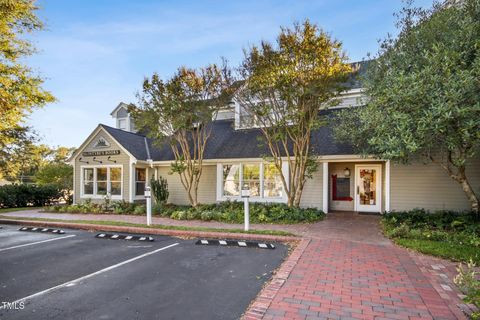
{"x": 142, "y": 196}
{"x": 100, "y": 196}
{"x": 261, "y": 198}
{"x": 126, "y": 123}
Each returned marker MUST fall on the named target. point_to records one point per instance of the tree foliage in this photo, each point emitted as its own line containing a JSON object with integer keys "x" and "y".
{"x": 179, "y": 111}
{"x": 423, "y": 90}
{"x": 20, "y": 88}
{"x": 286, "y": 86}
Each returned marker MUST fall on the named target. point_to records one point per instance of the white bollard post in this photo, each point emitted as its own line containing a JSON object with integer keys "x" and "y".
{"x": 247, "y": 213}
{"x": 246, "y": 205}
{"x": 148, "y": 198}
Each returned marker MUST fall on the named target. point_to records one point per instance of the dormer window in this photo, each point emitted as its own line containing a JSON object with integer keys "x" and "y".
{"x": 122, "y": 124}
{"x": 122, "y": 118}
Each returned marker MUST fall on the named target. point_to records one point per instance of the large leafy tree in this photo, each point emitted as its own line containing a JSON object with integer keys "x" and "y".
{"x": 286, "y": 86}
{"x": 424, "y": 92}
{"x": 179, "y": 111}
{"x": 20, "y": 88}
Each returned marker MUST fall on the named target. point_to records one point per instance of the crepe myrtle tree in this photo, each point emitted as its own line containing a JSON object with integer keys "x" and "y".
{"x": 423, "y": 90}
{"x": 179, "y": 111}
{"x": 286, "y": 86}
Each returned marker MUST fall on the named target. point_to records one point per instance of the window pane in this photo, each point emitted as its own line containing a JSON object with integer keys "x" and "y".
{"x": 140, "y": 174}
{"x": 139, "y": 188}
{"x": 88, "y": 188}
{"x": 102, "y": 187}
{"x": 122, "y": 124}
{"x": 115, "y": 174}
{"x": 251, "y": 178}
{"x": 254, "y": 186}
{"x": 272, "y": 184}
{"x": 101, "y": 174}
{"x": 231, "y": 181}
{"x": 116, "y": 188}
{"x": 88, "y": 174}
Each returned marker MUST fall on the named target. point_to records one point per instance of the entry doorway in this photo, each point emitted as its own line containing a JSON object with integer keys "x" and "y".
{"x": 368, "y": 188}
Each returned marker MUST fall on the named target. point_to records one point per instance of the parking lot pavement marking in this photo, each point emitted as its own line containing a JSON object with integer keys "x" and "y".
{"x": 234, "y": 243}
{"x": 76, "y": 281}
{"x": 124, "y": 237}
{"x": 41, "y": 230}
{"x": 38, "y": 242}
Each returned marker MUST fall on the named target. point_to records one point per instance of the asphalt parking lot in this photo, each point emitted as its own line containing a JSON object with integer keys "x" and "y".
{"x": 77, "y": 276}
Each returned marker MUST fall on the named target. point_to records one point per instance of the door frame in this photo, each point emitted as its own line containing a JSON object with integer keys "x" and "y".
{"x": 378, "y": 207}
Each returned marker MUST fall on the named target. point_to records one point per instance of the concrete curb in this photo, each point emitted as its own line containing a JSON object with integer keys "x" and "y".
{"x": 262, "y": 302}
{"x": 175, "y": 233}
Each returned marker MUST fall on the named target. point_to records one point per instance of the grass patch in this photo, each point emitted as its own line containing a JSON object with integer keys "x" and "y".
{"x": 157, "y": 226}
{"x": 5, "y": 210}
{"x": 452, "y": 251}
{"x": 446, "y": 234}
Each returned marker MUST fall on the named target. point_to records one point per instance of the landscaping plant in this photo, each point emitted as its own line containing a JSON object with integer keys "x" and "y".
{"x": 468, "y": 280}
{"x": 448, "y": 234}
{"x": 159, "y": 189}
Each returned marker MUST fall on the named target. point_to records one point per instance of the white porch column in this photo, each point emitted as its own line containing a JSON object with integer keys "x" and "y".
{"x": 387, "y": 185}
{"x": 325, "y": 187}
{"x": 131, "y": 183}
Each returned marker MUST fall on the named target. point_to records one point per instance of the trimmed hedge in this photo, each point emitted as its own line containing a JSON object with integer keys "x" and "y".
{"x": 230, "y": 212}
{"x": 233, "y": 212}
{"x": 23, "y": 195}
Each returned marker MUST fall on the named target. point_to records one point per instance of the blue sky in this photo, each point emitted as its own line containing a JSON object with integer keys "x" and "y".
{"x": 95, "y": 54}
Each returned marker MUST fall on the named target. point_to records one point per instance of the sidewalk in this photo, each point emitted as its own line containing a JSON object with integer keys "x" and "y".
{"x": 343, "y": 269}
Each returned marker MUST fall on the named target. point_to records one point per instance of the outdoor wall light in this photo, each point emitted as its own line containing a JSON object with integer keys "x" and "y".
{"x": 95, "y": 159}
{"x": 346, "y": 172}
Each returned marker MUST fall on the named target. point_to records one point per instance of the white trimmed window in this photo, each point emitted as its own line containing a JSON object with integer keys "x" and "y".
{"x": 101, "y": 180}
{"x": 263, "y": 180}
{"x": 122, "y": 124}
{"x": 140, "y": 180}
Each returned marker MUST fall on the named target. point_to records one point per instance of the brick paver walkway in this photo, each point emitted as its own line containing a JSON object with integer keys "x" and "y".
{"x": 343, "y": 269}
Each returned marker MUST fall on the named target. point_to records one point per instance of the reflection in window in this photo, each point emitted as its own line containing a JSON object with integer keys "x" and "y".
{"x": 272, "y": 182}
{"x": 115, "y": 181}
{"x": 255, "y": 176}
{"x": 231, "y": 180}
{"x": 102, "y": 181}
{"x": 251, "y": 178}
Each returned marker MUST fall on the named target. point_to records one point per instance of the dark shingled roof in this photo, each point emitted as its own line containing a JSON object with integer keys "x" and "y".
{"x": 227, "y": 143}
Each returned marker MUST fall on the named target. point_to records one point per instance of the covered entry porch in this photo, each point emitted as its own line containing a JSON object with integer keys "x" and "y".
{"x": 358, "y": 185}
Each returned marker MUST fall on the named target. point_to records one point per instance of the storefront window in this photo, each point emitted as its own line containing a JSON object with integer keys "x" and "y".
{"x": 262, "y": 179}
{"x": 231, "y": 180}
{"x": 140, "y": 180}
{"x": 99, "y": 181}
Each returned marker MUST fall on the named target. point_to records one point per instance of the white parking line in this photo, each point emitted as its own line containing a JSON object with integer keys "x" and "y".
{"x": 73, "y": 282}
{"x": 38, "y": 242}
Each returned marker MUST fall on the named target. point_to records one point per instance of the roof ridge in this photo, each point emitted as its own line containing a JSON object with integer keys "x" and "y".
{"x": 121, "y": 130}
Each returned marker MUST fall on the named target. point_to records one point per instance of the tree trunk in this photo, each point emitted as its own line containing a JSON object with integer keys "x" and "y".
{"x": 470, "y": 193}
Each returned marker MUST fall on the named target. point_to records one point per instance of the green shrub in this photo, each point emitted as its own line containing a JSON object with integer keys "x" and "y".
{"x": 160, "y": 190}
{"x": 139, "y": 209}
{"x": 436, "y": 233}
{"x": 23, "y": 195}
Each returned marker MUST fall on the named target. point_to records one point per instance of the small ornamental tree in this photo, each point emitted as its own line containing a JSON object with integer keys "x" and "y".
{"x": 424, "y": 93}
{"x": 179, "y": 111}
{"x": 286, "y": 86}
